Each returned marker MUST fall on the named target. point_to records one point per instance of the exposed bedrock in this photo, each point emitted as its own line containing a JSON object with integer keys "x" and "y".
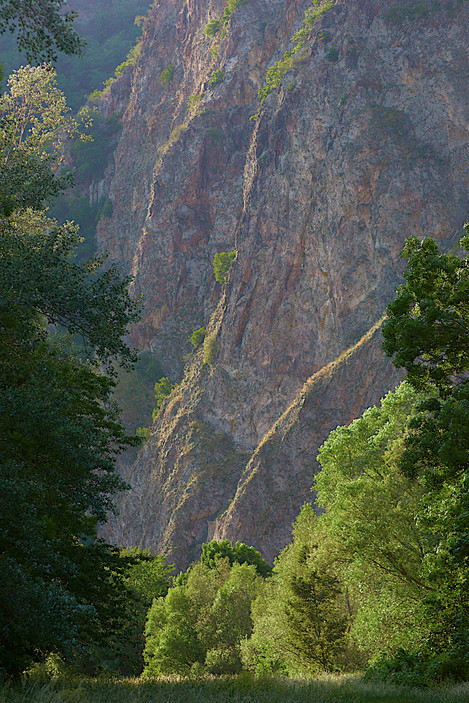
{"x": 364, "y": 143}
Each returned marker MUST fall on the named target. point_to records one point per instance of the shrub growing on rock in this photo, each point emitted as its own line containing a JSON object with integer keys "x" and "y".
{"x": 197, "y": 337}
{"x": 222, "y": 264}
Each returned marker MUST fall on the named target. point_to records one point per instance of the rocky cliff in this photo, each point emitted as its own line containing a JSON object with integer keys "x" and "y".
{"x": 360, "y": 141}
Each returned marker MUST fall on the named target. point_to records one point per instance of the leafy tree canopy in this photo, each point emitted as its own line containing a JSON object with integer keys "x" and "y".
{"x": 33, "y": 127}
{"x": 202, "y": 620}
{"x": 239, "y": 554}
{"x": 148, "y": 576}
{"x": 427, "y": 330}
{"x": 63, "y": 590}
{"x": 41, "y": 27}
{"x": 427, "y": 333}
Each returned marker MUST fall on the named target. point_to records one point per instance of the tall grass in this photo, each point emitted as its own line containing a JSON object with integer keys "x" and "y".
{"x": 240, "y": 689}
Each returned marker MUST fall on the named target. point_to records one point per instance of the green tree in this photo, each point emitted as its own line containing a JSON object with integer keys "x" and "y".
{"x": 172, "y": 642}
{"x": 229, "y": 620}
{"x": 299, "y": 618}
{"x": 216, "y": 78}
{"x": 316, "y": 627}
{"x": 427, "y": 330}
{"x": 202, "y": 620}
{"x": 302, "y": 620}
{"x": 62, "y": 589}
{"x": 33, "y": 128}
{"x": 240, "y": 553}
{"x": 427, "y": 334}
{"x": 59, "y": 436}
{"x": 266, "y": 650}
{"x": 148, "y": 576}
{"x": 41, "y": 27}
{"x": 370, "y": 506}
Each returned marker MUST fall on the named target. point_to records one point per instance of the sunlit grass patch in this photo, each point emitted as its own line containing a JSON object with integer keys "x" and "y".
{"x": 230, "y": 689}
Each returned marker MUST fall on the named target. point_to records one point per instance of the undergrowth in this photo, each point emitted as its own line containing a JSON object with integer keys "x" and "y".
{"x": 237, "y": 689}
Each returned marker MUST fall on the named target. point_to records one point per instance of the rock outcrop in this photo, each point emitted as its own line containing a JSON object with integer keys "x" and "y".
{"x": 364, "y": 142}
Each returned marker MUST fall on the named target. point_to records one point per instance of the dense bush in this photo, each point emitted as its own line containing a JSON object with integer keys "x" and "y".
{"x": 222, "y": 264}
{"x": 197, "y": 337}
{"x": 213, "y": 26}
{"x": 202, "y": 620}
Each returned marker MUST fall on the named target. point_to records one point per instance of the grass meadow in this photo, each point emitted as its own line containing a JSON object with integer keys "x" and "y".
{"x": 240, "y": 689}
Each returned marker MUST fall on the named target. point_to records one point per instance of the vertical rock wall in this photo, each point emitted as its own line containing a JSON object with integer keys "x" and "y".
{"x": 364, "y": 143}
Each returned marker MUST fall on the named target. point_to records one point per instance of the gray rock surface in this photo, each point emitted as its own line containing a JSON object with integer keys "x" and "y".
{"x": 365, "y": 143}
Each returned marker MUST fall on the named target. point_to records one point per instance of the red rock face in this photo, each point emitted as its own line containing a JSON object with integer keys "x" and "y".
{"x": 364, "y": 143}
